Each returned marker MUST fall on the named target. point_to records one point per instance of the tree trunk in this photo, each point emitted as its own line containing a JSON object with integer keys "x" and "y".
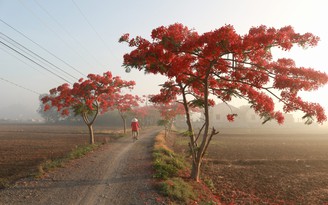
{"x": 196, "y": 165}
{"x": 165, "y": 131}
{"x": 91, "y": 135}
{"x": 200, "y": 150}
{"x": 89, "y": 124}
{"x": 124, "y": 124}
{"x": 195, "y": 169}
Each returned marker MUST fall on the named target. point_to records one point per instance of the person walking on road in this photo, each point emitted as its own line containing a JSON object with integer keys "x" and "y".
{"x": 135, "y": 127}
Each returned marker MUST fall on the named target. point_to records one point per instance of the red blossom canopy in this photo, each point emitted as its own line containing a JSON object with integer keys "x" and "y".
{"x": 229, "y": 65}
{"x": 96, "y": 92}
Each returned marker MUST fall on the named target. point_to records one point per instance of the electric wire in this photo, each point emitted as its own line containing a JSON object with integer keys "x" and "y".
{"x": 68, "y": 33}
{"x": 19, "y": 48}
{"x": 22, "y": 51}
{"x": 20, "y": 86}
{"x": 26, "y": 63}
{"x": 34, "y": 56}
{"x": 35, "y": 62}
{"x": 93, "y": 28}
{"x": 55, "y": 33}
{"x": 39, "y": 56}
{"x": 44, "y": 49}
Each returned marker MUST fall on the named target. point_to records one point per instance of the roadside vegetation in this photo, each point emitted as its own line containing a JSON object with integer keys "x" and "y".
{"x": 76, "y": 153}
{"x": 49, "y": 164}
{"x": 171, "y": 170}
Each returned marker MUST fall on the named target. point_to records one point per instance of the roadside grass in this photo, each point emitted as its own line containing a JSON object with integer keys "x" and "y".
{"x": 171, "y": 170}
{"x": 76, "y": 153}
{"x": 177, "y": 190}
{"x": 4, "y": 183}
{"x": 167, "y": 164}
{"x": 50, "y": 164}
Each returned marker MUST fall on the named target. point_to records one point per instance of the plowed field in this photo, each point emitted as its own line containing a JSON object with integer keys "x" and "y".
{"x": 24, "y": 147}
{"x": 258, "y": 167}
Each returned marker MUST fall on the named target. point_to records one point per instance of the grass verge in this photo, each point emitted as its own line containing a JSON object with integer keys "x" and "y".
{"x": 171, "y": 169}
{"x": 167, "y": 166}
{"x": 76, "y": 153}
{"x": 40, "y": 169}
{"x": 4, "y": 183}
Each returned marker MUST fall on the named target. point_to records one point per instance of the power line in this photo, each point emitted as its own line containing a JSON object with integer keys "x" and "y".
{"x": 18, "y": 59}
{"x": 38, "y": 56}
{"x": 44, "y": 49}
{"x": 34, "y": 62}
{"x": 93, "y": 28}
{"x": 24, "y": 62}
{"x": 20, "y": 86}
{"x": 68, "y": 33}
{"x": 54, "y": 32}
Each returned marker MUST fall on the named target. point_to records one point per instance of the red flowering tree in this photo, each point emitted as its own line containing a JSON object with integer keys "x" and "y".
{"x": 224, "y": 64}
{"x": 147, "y": 114}
{"x": 168, "y": 113}
{"x": 141, "y": 112}
{"x": 124, "y": 104}
{"x": 87, "y": 97}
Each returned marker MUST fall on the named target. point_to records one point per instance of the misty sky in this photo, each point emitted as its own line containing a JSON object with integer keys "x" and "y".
{"x": 83, "y": 35}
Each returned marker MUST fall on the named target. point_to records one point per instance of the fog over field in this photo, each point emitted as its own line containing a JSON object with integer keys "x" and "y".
{"x": 19, "y": 112}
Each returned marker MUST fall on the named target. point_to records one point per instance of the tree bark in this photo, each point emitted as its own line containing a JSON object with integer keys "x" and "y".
{"x": 92, "y": 137}
{"x": 195, "y": 169}
{"x": 124, "y": 122}
{"x": 199, "y": 151}
{"x": 89, "y": 124}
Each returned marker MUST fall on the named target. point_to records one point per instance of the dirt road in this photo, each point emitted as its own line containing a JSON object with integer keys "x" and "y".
{"x": 118, "y": 173}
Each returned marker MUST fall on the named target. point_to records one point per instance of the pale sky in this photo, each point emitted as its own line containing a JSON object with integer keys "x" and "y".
{"x": 83, "y": 35}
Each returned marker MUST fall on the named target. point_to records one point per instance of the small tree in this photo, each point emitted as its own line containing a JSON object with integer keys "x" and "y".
{"x": 87, "y": 97}
{"x": 124, "y": 104}
{"x": 148, "y": 115}
{"x": 168, "y": 113}
{"x": 223, "y": 64}
{"x": 51, "y": 115}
